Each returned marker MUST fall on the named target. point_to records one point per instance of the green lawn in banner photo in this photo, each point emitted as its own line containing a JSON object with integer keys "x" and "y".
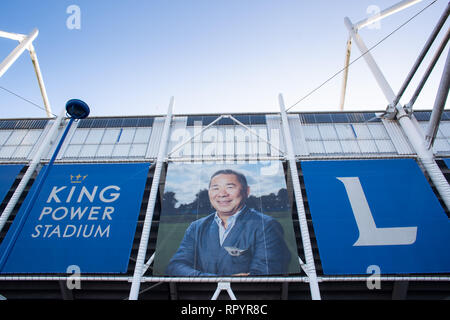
{"x": 172, "y": 228}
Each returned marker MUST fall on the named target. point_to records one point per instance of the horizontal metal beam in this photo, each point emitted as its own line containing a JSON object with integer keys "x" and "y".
{"x": 385, "y": 13}
{"x": 225, "y": 279}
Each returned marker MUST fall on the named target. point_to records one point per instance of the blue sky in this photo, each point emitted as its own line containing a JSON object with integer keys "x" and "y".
{"x": 213, "y": 56}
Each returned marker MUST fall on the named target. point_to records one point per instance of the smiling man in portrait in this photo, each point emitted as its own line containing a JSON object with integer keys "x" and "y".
{"x": 233, "y": 240}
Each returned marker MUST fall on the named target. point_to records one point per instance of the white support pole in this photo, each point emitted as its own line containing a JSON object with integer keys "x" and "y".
{"x": 385, "y": 13}
{"x": 313, "y": 283}
{"x": 140, "y": 261}
{"x": 15, "y": 54}
{"x": 415, "y": 137}
{"x": 49, "y": 139}
{"x": 439, "y": 104}
{"x": 348, "y": 51}
{"x": 13, "y": 36}
{"x": 223, "y": 286}
{"x": 379, "y": 77}
{"x": 37, "y": 69}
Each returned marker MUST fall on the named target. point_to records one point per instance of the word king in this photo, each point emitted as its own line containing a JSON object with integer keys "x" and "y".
{"x": 87, "y": 215}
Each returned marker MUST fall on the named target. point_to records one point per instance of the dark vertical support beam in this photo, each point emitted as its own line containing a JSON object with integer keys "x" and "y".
{"x": 173, "y": 291}
{"x": 65, "y": 292}
{"x": 400, "y": 290}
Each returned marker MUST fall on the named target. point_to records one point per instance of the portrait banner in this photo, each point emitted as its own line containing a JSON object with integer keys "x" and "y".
{"x": 84, "y": 215}
{"x": 225, "y": 220}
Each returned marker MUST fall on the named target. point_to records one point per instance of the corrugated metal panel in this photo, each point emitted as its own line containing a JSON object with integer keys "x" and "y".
{"x": 116, "y": 122}
{"x": 155, "y": 138}
{"x": 23, "y": 124}
{"x": 275, "y": 134}
{"x": 397, "y": 136}
{"x": 298, "y": 137}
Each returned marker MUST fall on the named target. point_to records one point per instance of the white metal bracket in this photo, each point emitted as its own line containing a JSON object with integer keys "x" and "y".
{"x": 223, "y": 286}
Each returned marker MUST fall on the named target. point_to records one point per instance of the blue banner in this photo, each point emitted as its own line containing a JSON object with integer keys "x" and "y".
{"x": 376, "y": 215}
{"x": 447, "y": 162}
{"x": 85, "y": 215}
{"x": 8, "y": 174}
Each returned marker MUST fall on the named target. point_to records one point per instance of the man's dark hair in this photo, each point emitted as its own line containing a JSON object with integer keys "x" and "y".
{"x": 241, "y": 178}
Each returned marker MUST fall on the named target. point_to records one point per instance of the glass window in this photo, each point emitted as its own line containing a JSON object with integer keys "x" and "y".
{"x": 127, "y": 135}
{"x": 95, "y": 136}
{"x": 441, "y": 145}
{"x": 110, "y": 136}
{"x": 243, "y": 134}
{"x": 367, "y": 146}
{"x": 142, "y": 135}
{"x": 88, "y": 151}
{"x": 105, "y": 150}
{"x": 197, "y": 149}
{"x": 328, "y": 132}
{"x": 263, "y": 148}
{"x": 16, "y": 137}
{"x": 262, "y": 132}
{"x": 253, "y": 148}
{"x": 315, "y": 146}
{"x": 79, "y": 136}
{"x": 229, "y": 148}
{"x": 345, "y": 131}
{"x": 4, "y": 135}
{"x": 350, "y": 146}
{"x": 220, "y": 133}
{"x": 362, "y": 132}
{"x": 241, "y": 147}
{"x": 22, "y": 151}
{"x": 193, "y": 131}
{"x": 72, "y": 151}
{"x": 31, "y": 137}
{"x": 311, "y": 132}
{"x": 138, "y": 150}
{"x": 332, "y": 146}
{"x": 121, "y": 150}
{"x": 229, "y": 134}
{"x": 209, "y": 135}
{"x": 209, "y": 149}
{"x": 378, "y": 131}
{"x": 220, "y": 148}
{"x": 385, "y": 146}
{"x": 7, "y": 151}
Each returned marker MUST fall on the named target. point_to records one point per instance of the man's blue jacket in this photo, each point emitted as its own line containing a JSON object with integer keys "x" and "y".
{"x": 254, "y": 245}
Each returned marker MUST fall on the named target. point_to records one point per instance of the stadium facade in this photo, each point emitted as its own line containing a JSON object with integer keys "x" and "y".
{"x": 322, "y": 142}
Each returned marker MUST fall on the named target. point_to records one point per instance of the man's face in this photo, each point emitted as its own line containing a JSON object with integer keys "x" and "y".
{"x": 226, "y": 194}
